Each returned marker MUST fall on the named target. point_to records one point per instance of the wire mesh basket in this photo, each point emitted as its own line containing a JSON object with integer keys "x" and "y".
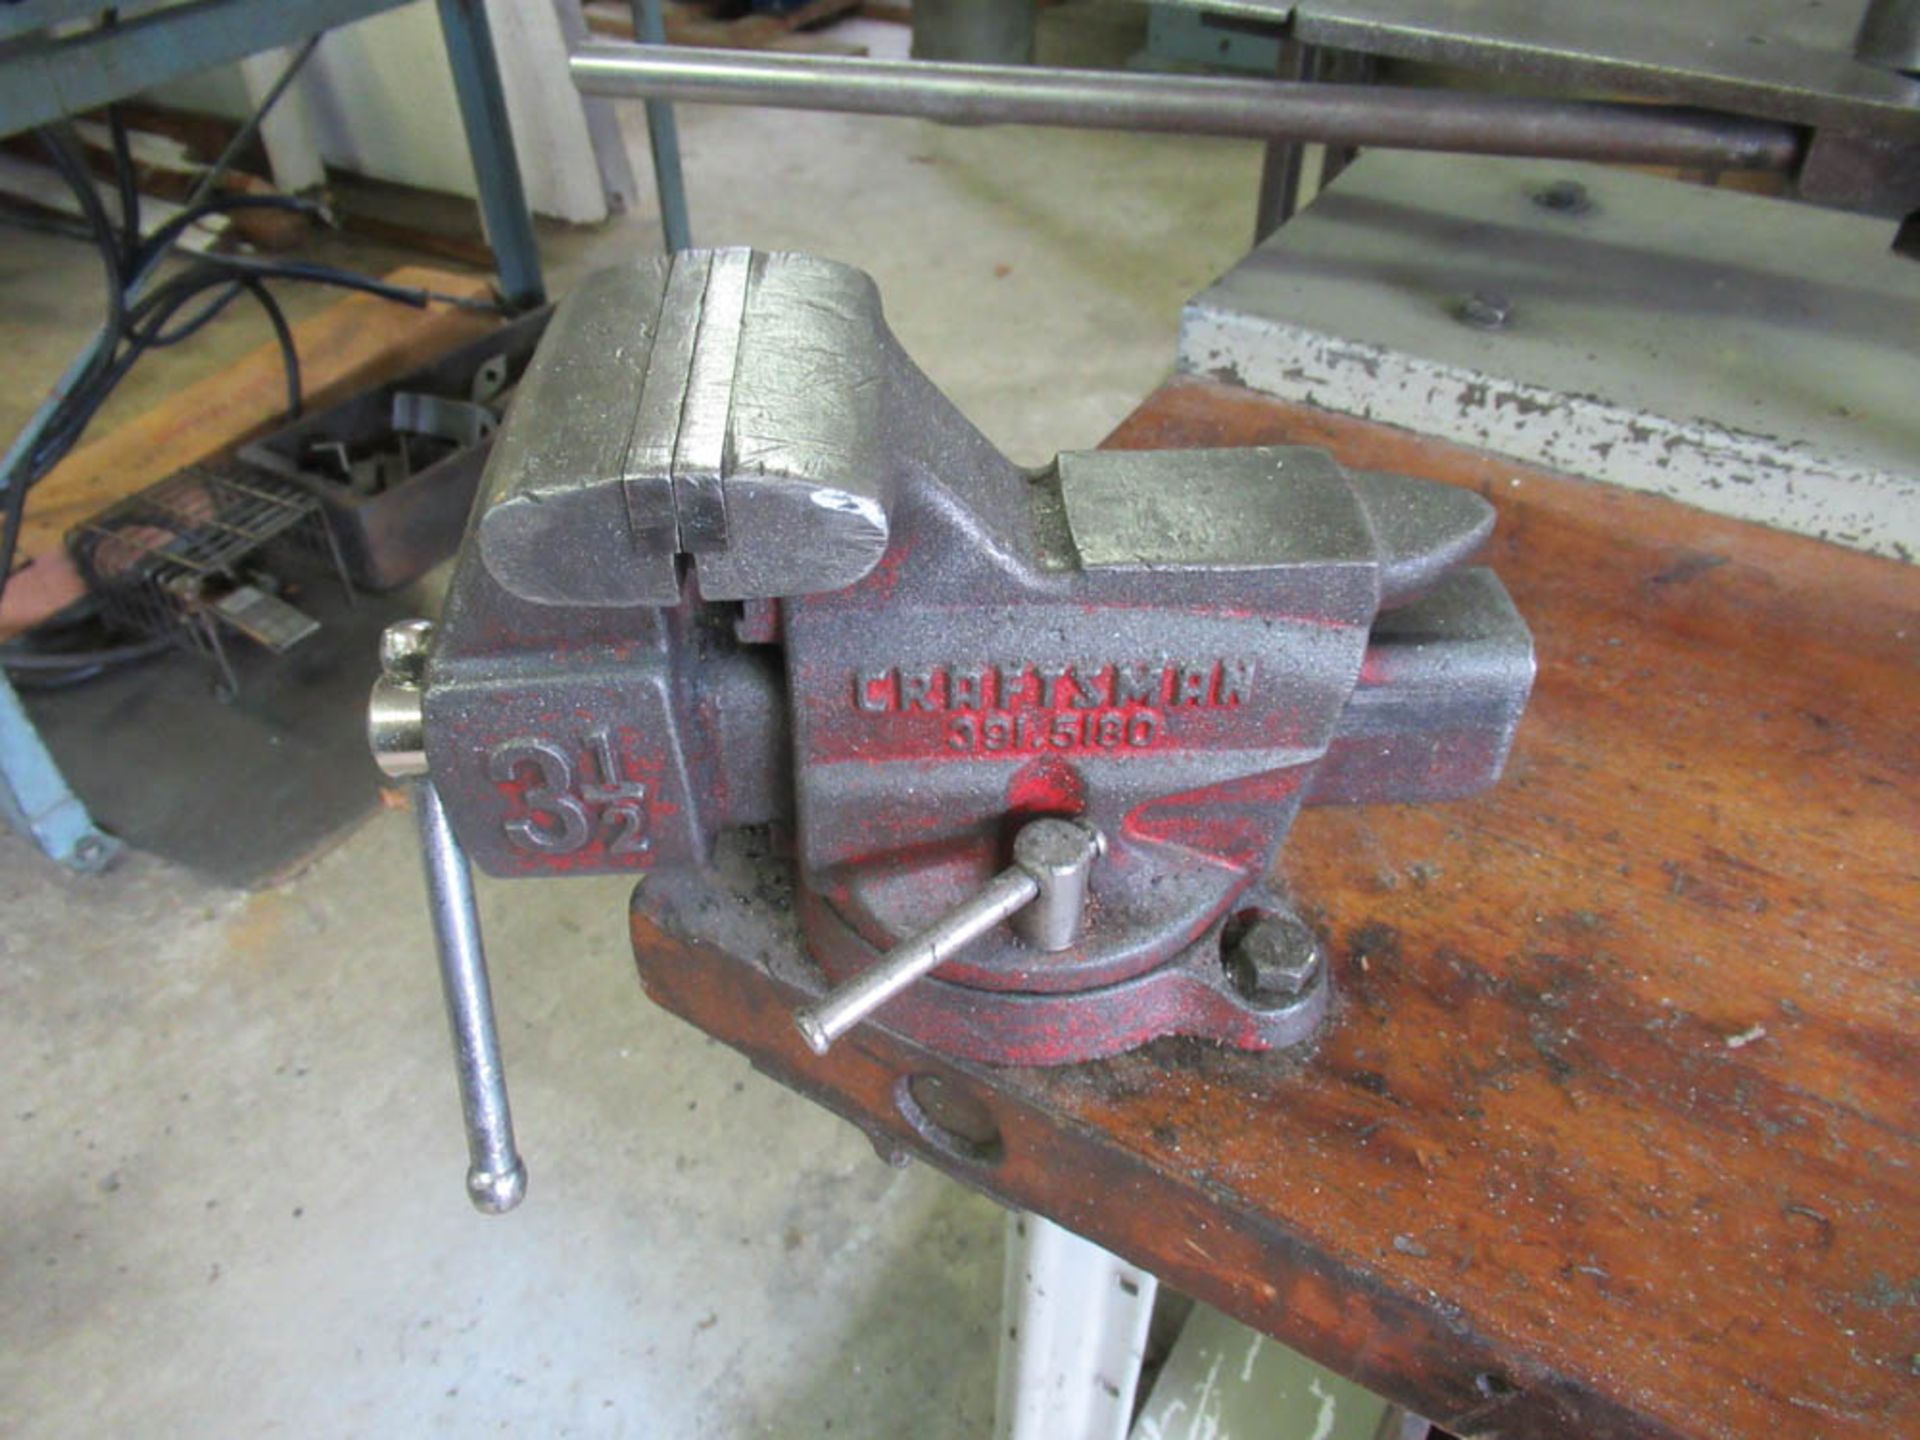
{"x": 203, "y": 555}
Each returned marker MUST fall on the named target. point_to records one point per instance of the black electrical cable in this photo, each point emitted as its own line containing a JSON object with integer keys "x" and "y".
{"x": 58, "y": 143}
{"x": 15, "y": 658}
{"x": 193, "y": 324}
{"x": 283, "y": 332}
{"x": 136, "y": 325}
{"x": 125, "y": 179}
{"x": 169, "y": 231}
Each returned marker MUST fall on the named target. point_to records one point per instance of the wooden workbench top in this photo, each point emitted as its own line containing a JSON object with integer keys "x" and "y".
{"x": 1613, "y": 1129}
{"x": 1625, "y": 1066}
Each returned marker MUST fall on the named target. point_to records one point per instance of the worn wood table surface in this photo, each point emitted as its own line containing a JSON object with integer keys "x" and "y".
{"x": 1613, "y": 1130}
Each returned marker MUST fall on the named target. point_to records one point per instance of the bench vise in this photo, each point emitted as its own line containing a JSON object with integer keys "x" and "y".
{"x": 1032, "y": 739}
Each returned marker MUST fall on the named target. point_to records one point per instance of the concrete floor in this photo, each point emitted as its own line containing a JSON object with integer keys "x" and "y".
{"x": 232, "y": 1202}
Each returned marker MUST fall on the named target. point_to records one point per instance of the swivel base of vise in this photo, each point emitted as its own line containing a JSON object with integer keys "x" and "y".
{"x": 746, "y": 908}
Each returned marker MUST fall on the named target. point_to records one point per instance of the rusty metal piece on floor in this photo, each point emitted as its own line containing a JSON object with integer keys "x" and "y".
{"x": 737, "y": 565}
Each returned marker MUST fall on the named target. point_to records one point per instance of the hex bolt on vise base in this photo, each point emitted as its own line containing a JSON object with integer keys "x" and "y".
{"x": 737, "y": 566}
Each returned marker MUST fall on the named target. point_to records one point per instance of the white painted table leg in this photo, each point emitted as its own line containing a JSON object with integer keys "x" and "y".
{"x": 1075, "y": 1326}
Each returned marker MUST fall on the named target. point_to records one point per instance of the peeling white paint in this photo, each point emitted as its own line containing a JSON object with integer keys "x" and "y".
{"x": 1253, "y": 1354}
{"x": 1206, "y": 1413}
{"x": 1748, "y": 476}
{"x": 1329, "y": 1411}
{"x": 1743, "y": 356}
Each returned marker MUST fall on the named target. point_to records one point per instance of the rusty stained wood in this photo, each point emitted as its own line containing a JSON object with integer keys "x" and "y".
{"x": 1613, "y": 1130}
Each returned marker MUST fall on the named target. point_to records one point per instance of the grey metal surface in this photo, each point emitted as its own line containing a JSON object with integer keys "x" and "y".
{"x": 265, "y": 619}
{"x": 1889, "y": 36}
{"x": 1737, "y": 353}
{"x": 396, "y": 725}
{"x": 1163, "y": 647}
{"x": 664, "y": 426}
{"x": 1277, "y": 958}
{"x": 496, "y": 1175}
{"x": 462, "y": 422}
{"x": 1375, "y": 116}
{"x": 1789, "y": 59}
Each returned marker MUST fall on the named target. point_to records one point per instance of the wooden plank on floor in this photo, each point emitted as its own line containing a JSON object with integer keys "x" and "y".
{"x": 358, "y": 341}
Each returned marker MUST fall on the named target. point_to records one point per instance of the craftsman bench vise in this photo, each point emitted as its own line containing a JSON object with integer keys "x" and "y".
{"x": 737, "y": 563}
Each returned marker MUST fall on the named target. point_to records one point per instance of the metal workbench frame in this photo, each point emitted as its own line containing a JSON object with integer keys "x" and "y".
{"x": 50, "y": 69}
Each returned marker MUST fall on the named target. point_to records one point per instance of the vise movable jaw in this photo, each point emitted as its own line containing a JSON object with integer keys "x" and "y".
{"x": 737, "y": 563}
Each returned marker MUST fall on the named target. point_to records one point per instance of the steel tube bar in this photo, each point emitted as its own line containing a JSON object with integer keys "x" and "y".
{"x": 496, "y": 168}
{"x": 1283, "y": 167}
{"x": 839, "y": 1012}
{"x": 1386, "y": 117}
{"x": 663, "y": 138}
{"x": 496, "y": 1175}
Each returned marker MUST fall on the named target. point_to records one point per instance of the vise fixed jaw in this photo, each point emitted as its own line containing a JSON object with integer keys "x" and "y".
{"x": 737, "y": 565}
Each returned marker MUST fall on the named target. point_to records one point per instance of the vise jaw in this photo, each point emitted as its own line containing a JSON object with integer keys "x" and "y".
{"x": 738, "y": 564}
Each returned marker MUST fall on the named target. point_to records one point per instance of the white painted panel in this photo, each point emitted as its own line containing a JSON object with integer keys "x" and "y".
{"x": 380, "y": 99}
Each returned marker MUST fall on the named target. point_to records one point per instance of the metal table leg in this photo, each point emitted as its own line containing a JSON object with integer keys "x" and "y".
{"x": 34, "y": 796}
{"x": 483, "y": 109}
{"x": 663, "y": 138}
{"x": 1075, "y": 1326}
{"x": 1282, "y": 164}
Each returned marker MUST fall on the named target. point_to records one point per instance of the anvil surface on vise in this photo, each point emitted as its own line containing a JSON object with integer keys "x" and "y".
{"x": 737, "y": 563}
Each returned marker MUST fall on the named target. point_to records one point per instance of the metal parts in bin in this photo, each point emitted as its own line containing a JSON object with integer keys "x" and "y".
{"x": 737, "y": 564}
{"x": 396, "y": 466}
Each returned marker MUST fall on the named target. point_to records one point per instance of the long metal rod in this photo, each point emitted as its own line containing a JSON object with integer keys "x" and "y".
{"x": 496, "y": 1176}
{"x": 840, "y": 1011}
{"x": 1387, "y": 117}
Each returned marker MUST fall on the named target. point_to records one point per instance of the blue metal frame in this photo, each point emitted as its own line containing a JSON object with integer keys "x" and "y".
{"x": 34, "y": 797}
{"x": 663, "y": 138}
{"x": 44, "y": 75}
{"x": 483, "y": 107}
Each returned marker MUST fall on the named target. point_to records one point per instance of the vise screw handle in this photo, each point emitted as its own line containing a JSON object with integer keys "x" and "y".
{"x": 496, "y": 1175}
{"x": 1044, "y": 892}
